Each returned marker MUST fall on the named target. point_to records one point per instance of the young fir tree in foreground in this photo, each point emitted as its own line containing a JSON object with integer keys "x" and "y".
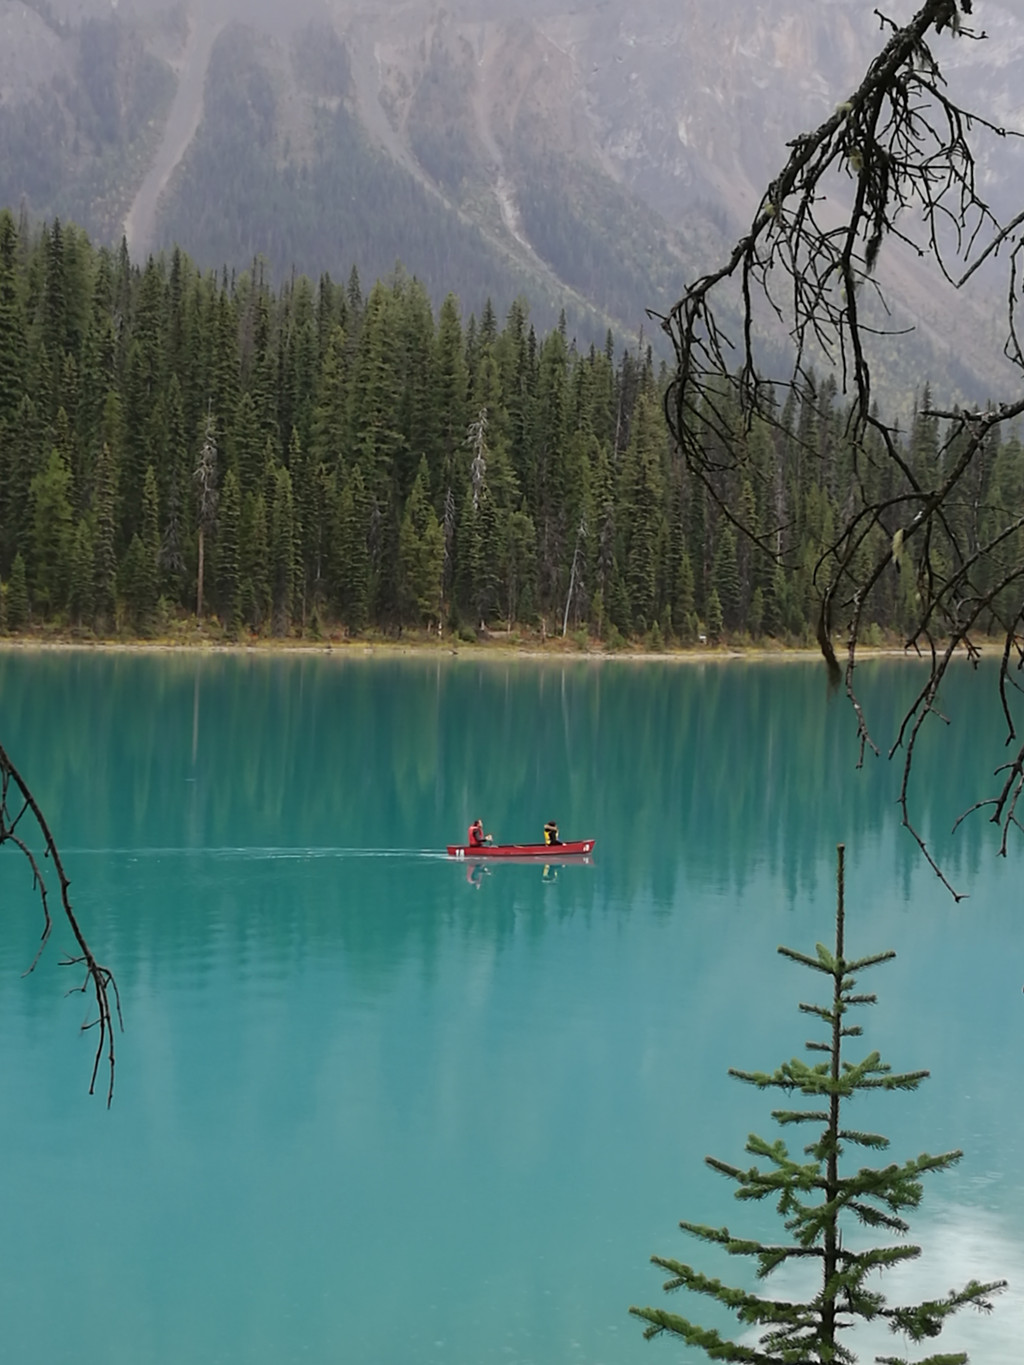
{"x": 818, "y": 1202}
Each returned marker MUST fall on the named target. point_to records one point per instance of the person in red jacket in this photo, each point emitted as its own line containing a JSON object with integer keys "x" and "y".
{"x": 475, "y": 835}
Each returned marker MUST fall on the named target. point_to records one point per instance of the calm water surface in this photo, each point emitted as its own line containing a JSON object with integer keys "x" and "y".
{"x": 370, "y": 1109}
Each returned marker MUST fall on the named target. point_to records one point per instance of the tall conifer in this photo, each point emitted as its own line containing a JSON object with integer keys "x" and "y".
{"x": 81, "y": 579}
{"x": 148, "y": 588}
{"x": 104, "y": 550}
{"x": 17, "y": 596}
{"x": 255, "y": 557}
{"x": 282, "y": 551}
{"x": 228, "y": 571}
{"x": 420, "y": 554}
{"x": 12, "y": 324}
{"x": 52, "y": 533}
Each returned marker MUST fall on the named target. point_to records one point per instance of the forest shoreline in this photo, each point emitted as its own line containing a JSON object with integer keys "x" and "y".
{"x": 551, "y": 651}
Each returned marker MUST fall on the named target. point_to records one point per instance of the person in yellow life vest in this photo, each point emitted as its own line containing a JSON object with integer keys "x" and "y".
{"x": 551, "y": 832}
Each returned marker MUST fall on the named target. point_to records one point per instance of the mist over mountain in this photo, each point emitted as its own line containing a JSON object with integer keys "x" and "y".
{"x": 589, "y": 157}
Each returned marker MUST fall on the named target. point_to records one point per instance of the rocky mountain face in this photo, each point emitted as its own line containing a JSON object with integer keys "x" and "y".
{"x": 592, "y": 157}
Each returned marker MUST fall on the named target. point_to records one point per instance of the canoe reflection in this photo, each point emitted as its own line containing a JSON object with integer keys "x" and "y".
{"x": 479, "y": 868}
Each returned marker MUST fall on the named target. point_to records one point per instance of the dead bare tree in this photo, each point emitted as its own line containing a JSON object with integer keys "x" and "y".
{"x": 898, "y": 151}
{"x": 23, "y": 824}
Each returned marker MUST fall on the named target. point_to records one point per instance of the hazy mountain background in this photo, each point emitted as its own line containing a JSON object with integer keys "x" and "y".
{"x": 588, "y": 156}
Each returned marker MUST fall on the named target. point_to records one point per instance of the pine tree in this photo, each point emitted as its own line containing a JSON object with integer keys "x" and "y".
{"x": 451, "y": 393}
{"x": 228, "y": 572}
{"x": 376, "y": 394}
{"x": 247, "y": 445}
{"x": 12, "y": 324}
{"x": 80, "y": 585}
{"x": 21, "y": 461}
{"x": 204, "y": 477}
{"x": 819, "y": 1198}
{"x": 545, "y": 481}
{"x": 725, "y": 577}
{"x": 133, "y": 583}
{"x": 148, "y": 592}
{"x": 173, "y": 490}
{"x": 104, "y": 555}
{"x": 715, "y": 623}
{"x": 776, "y": 602}
{"x": 52, "y": 529}
{"x": 414, "y": 327}
{"x": 642, "y": 491}
{"x": 255, "y": 558}
{"x": 683, "y": 606}
{"x": 330, "y": 418}
{"x": 282, "y": 551}
{"x": 755, "y": 613}
{"x": 54, "y": 306}
{"x": 17, "y": 595}
{"x": 517, "y": 566}
{"x": 420, "y": 555}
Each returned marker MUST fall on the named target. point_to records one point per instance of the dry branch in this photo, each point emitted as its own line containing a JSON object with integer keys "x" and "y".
{"x": 18, "y": 807}
{"x": 897, "y": 144}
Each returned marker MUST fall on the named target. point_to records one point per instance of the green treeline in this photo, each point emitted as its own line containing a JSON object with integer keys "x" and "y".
{"x": 175, "y": 443}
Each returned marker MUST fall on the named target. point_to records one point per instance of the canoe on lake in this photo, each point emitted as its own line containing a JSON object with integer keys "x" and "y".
{"x": 567, "y": 848}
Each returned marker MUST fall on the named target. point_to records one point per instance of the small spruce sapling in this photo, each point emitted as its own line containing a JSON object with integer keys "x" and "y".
{"x": 818, "y": 1197}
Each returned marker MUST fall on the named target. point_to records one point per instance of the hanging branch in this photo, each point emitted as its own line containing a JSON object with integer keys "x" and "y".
{"x": 18, "y": 808}
{"x": 897, "y": 144}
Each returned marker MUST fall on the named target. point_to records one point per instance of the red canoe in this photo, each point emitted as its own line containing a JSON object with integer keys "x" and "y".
{"x": 569, "y": 848}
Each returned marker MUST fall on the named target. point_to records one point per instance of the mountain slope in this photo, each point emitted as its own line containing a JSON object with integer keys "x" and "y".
{"x": 591, "y": 158}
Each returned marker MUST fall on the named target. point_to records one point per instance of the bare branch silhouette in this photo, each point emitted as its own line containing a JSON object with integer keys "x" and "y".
{"x": 895, "y": 161}
{"x": 23, "y": 824}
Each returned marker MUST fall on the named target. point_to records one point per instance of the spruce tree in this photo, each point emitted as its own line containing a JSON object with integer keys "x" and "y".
{"x": 148, "y": 588}
{"x": 715, "y": 624}
{"x": 13, "y": 339}
{"x": 134, "y": 585}
{"x": 819, "y": 1198}
{"x": 755, "y": 613}
{"x": 228, "y": 571}
{"x": 450, "y": 392}
{"x": 683, "y": 607}
{"x": 104, "y": 555}
{"x": 420, "y": 555}
{"x": 725, "y": 578}
{"x": 776, "y": 602}
{"x": 641, "y": 511}
{"x": 80, "y": 585}
{"x": 350, "y": 558}
{"x": 282, "y": 551}
{"x": 17, "y": 595}
{"x": 173, "y": 490}
{"x": 22, "y": 461}
{"x": 517, "y": 566}
{"x": 52, "y": 532}
{"x": 254, "y": 551}
{"x": 204, "y": 477}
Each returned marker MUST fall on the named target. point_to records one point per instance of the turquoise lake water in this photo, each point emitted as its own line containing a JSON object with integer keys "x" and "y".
{"x": 373, "y": 1108}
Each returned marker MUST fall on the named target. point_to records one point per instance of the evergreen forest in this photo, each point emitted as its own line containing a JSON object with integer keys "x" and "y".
{"x": 178, "y": 445}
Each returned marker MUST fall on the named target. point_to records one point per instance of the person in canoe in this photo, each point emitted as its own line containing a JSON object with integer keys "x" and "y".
{"x": 475, "y": 835}
{"x": 551, "y": 832}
